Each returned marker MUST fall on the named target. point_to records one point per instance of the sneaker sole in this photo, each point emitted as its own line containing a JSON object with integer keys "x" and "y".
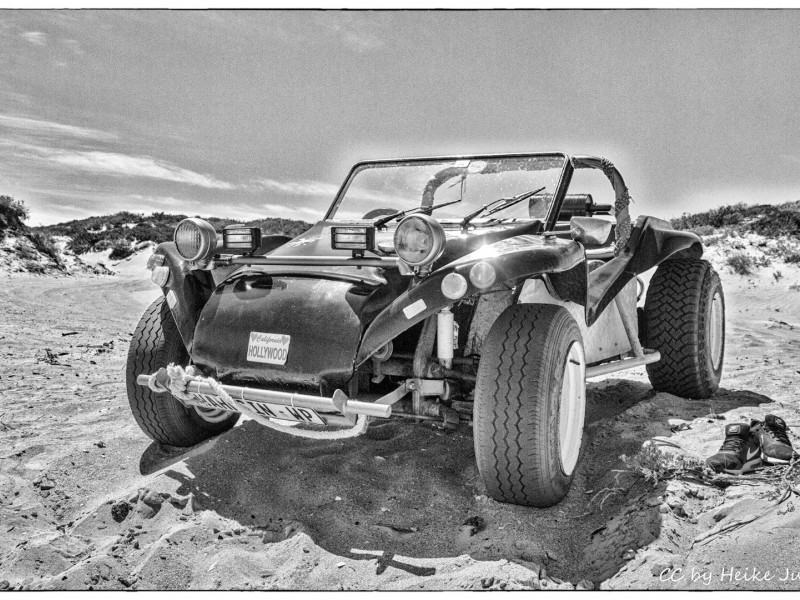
{"x": 746, "y": 467}
{"x": 774, "y": 461}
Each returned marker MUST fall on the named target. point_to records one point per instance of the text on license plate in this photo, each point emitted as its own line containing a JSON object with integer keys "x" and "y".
{"x": 267, "y": 409}
{"x": 269, "y": 348}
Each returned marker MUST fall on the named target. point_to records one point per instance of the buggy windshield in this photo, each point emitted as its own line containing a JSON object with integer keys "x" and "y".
{"x": 383, "y": 188}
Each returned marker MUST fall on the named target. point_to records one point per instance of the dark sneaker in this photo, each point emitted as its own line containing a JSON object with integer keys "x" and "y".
{"x": 740, "y": 452}
{"x": 773, "y": 433}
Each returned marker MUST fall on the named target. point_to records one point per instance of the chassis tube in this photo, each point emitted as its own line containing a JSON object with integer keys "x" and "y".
{"x": 650, "y": 356}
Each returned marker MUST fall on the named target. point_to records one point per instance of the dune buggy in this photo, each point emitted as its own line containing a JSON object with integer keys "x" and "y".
{"x": 481, "y": 288}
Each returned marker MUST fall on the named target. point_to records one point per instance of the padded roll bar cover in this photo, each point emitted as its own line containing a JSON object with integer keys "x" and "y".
{"x": 623, "y": 197}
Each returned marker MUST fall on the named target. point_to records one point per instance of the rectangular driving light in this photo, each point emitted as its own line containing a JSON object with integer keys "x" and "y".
{"x": 240, "y": 239}
{"x": 353, "y": 238}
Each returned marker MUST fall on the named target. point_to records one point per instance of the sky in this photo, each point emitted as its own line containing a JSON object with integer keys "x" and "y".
{"x": 262, "y": 114}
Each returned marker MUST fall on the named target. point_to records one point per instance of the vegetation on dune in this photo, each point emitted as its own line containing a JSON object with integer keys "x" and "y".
{"x": 778, "y": 224}
{"x": 123, "y": 230}
{"x": 769, "y": 220}
{"x": 44, "y": 244}
{"x": 121, "y": 249}
{"x": 13, "y": 214}
{"x": 741, "y": 263}
{"x": 30, "y": 245}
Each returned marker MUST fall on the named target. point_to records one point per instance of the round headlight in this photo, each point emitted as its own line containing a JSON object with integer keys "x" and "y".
{"x": 454, "y": 286}
{"x": 419, "y": 240}
{"x": 482, "y": 275}
{"x": 196, "y": 240}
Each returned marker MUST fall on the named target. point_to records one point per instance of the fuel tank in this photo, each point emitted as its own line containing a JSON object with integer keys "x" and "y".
{"x": 288, "y": 332}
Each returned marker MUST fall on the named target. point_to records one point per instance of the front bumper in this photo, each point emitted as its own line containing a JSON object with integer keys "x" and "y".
{"x": 271, "y": 404}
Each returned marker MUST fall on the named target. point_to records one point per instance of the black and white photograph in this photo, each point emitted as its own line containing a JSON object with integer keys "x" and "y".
{"x": 399, "y": 298}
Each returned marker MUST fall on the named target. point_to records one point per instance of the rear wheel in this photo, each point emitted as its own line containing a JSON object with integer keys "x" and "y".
{"x": 530, "y": 403}
{"x": 685, "y": 321}
{"x": 155, "y": 344}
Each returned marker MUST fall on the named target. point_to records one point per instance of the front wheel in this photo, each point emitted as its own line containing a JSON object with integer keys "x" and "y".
{"x": 155, "y": 344}
{"x": 530, "y": 403}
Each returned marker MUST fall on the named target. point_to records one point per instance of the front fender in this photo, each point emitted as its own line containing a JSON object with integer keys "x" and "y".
{"x": 187, "y": 291}
{"x": 513, "y": 259}
{"x": 652, "y": 242}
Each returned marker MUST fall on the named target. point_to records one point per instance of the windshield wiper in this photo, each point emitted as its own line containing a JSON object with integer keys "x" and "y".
{"x": 426, "y": 209}
{"x": 497, "y": 206}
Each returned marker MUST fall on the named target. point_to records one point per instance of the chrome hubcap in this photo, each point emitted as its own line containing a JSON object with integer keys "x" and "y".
{"x": 573, "y": 407}
{"x": 715, "y": 331}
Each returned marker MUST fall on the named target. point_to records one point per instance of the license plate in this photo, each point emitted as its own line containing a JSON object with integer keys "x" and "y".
{"x": 269, "y": 348}
{"x": 267, "y": 409}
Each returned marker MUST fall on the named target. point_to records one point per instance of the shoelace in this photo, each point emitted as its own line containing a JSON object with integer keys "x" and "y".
{"x": 778, "y": 433}
{"x": 732, "y": 443}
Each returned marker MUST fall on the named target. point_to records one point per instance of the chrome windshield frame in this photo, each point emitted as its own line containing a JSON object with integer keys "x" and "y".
{"x": 558, "y": 196}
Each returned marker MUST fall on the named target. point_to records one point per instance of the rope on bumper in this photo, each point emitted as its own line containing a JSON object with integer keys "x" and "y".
{"x": 174, "y": 379}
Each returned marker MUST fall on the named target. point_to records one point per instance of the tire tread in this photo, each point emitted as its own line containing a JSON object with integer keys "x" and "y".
{"x": 511, "y": 450}
{"x": 155, "y": 343}
{"x": 675, "y": 308}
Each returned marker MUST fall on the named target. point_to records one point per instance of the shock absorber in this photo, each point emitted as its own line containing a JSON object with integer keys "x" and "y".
{"x": 445, "y": 330}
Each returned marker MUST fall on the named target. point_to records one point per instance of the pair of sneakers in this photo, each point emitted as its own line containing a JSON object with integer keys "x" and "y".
{"x": 747, "y": 446}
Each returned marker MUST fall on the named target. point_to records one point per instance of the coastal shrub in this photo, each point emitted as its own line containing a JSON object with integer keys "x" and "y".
{"x": 740, "y": 263}
{"x": 45, "y": 245}
{"x": 121, "y": 249}
{"x": 13, "y": 213}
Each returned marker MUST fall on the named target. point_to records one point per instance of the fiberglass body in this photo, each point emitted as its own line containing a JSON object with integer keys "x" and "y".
{"x": 334, "y": 317}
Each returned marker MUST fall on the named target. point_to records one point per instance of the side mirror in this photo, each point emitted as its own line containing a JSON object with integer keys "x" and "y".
{"x": 588, "y": 230}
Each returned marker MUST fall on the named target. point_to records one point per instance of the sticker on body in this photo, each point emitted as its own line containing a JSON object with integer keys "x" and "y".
{"x": 270, "y": 348}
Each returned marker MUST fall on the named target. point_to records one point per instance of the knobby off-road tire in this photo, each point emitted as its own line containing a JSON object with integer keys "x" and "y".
{"x": 684, "y": 314}
{"x": 527, "y": 437}
{"x": 156, "y": 343}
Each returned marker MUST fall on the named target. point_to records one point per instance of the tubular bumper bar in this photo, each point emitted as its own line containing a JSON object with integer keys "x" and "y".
{"x": 338, "y": 404}
{"x": 386, "y": 262}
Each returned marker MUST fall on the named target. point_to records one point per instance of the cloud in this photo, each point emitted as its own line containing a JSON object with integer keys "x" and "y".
{"x": 35, "y": 126}
{"x": 320, "y": 189}
{"x": 74, "y": 46}
{"x": 301, "y": 213}
{"x": 37, "y": 38}
{"x": 112, "y": 163}
{"x": 356, "y": 32}
{"x": 241, "y": 210}
{"x": 300, "y": 188}
{"x": 361, "y": 41}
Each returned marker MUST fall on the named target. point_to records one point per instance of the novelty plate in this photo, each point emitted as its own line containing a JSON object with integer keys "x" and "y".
{"x": 270, "y": 348}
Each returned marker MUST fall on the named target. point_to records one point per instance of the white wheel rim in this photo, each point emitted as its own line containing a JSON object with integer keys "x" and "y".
{"x": 212, "y": 415}
{"x": 715, "y": 330}
{"x": 572, "y": 409}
